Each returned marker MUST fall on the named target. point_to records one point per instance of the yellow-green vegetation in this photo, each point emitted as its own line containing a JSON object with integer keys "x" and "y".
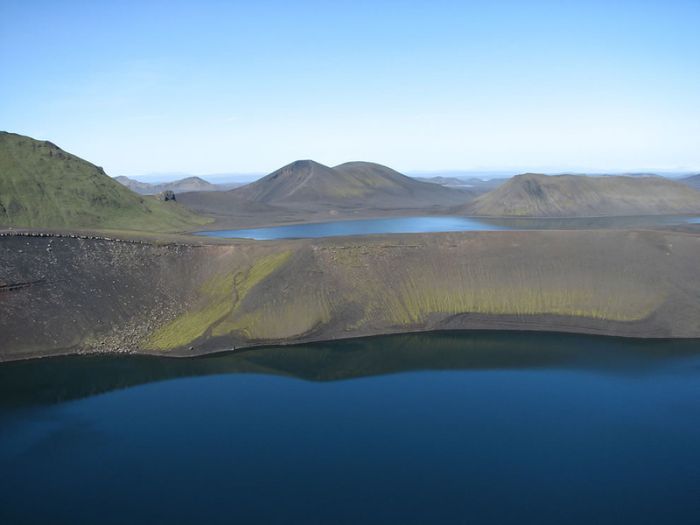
{"x": 220, "y": 298}
{"x": 536, "y": 290}
{"x": 415, "y": 301}
{"x": 281, "y": 319}
{"x": 42, "y": 186}
{"x": 445, "y": 285}
{"x": 260, "y": 269}
{"x": 217, "y": 302}
{"x": 279, "y": 315}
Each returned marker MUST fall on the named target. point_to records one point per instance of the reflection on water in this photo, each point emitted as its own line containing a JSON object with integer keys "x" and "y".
{"x": 443, "y": 224}
{"x": 433, "y": 428}
{"x": 64, "y": 378}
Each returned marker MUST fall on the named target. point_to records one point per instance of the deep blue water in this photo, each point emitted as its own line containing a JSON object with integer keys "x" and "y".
{"x": 443, "y": 428}
{"x": 439, "y": 224}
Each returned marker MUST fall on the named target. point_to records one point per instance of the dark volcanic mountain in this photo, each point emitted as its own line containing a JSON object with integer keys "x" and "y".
{"x": 306, "y": 190}
{"x": 43, "y": 186}
{"x": 352, "y": 184}
{"x": 535, "y": 195}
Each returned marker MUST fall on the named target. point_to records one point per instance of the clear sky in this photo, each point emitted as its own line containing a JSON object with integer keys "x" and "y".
{"x": 206, "y": 87}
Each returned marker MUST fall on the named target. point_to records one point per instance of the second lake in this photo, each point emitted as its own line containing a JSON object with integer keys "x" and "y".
{"x": 439, "y": 224}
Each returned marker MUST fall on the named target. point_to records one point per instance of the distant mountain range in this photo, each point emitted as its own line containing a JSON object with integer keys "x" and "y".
{"x": 44, "y": 186}
{"x": 536, "y": 195}
{"x": 192, "y": 183}
{"x": 473, "y": 183}
{"x": 443, "y": 181}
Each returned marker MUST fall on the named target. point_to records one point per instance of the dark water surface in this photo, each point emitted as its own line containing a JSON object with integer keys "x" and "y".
{"x": 441, "y": 224}
{"x": 440, "y": 428}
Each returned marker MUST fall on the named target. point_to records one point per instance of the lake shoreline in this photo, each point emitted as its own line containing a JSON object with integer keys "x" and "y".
{"x": 252, "y": 347}
{"x": 444, "y": 224}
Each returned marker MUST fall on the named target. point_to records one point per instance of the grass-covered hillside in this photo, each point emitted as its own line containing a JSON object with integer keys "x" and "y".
{"x": 42, "y": 186}
{"x": 535, "y": 195}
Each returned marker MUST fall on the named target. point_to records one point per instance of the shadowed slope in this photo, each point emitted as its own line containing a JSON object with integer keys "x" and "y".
{"x": 537, "y": 195}
{"x": 43, "y": 186}
{"x": 62, "y": 379}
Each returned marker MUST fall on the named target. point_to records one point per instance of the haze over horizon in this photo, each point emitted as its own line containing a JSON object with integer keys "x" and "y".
{"x": 208, "y": 87}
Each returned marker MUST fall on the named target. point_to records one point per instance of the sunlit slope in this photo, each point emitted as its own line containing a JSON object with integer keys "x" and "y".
{"x": 43, "y": 186}
{"x": 534, "y": 195}
{"x": 197, "y": 299}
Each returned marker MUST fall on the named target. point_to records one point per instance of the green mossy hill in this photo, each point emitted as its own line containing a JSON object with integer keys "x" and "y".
{"x": 42, "y": 186}
{"x": 535, "y": 195}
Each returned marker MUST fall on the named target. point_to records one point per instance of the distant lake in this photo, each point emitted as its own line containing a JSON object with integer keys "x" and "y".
{"x": 438, "y": 224}
{"x": 472, "y": 427}
{"x": 359, "y": 227}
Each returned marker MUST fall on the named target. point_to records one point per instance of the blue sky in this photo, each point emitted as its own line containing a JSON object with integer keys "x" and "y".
{"x": 207, "y": 87}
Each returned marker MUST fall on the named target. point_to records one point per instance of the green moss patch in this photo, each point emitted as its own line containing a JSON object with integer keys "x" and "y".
{"x": 220, "y": 297}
